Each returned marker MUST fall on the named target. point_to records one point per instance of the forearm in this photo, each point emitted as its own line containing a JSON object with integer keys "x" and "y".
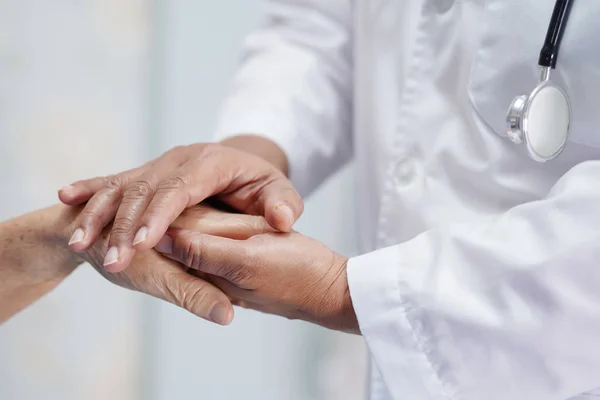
{"x": 261, "y": 147}
{"x": 296, "y": 89}
{"x": 34, "y": 257}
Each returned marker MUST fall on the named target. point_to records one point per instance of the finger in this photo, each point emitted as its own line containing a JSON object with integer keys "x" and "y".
{"x": 281, "y": 204}
{"x": 187, "y": 186}
{"x": 227, "y": 258}
{"x": 132, "y": 205}
{"x": 198, "y": 296}
{"x": 272, "y": 196}
{"x": 81, "y": 191}
{"x": 218, "y": 223}
{"x": 126, "y": 230}
{"x": 248, "y": 299}
{"x": 267, "y": 193}
{"x": 97, "y": 213}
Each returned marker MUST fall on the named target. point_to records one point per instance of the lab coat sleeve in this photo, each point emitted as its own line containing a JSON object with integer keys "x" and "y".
{"x": 504, "y": 308}
{"x": 294, "y": 87}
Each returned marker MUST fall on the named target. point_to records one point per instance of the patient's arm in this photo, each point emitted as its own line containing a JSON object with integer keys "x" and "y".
{"x": 34, "y": 258}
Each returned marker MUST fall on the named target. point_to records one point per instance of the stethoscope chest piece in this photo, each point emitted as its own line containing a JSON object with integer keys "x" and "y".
{"x": 541, "y": 121}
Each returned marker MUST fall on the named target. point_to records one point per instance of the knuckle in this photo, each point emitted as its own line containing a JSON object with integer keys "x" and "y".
{"x": 91, "y": 218}
{"x": 140, "y": 189}
{"x": 154, "y": 213}
{"x": 209, "y": 154}
{"x": 258, "y": 224}
{"x": 175, "y": 183}
{"x": 113, "y": 182}
{"x": 188, "y": 294}
{"x": 192, "y": 252}
{"x": 177, "y": 150}
{"x": 249, "y": 226}
{"x": 123, "y": 227}
{"x": 245, "y": 225}
{"x": 241, "y": 275}
{"x": 253, "y": 262}
{"x": 193, "y": 294}
{"x": 236, "y": 275}
{"x": 207, "y": 148}
{"x": 168, "y": 284}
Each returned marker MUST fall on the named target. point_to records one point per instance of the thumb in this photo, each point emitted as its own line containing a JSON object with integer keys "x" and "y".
{"x": 197, "y": 296}
{"x": 275, "y": 198}
{"x": 281, "y": 204}
{"x": 228, "y": 258}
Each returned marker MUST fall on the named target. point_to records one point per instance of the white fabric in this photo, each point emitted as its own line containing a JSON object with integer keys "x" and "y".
{"x": 485, "y": 284}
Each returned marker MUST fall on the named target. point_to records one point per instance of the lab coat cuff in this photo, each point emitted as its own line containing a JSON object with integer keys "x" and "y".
{"x": 382, "y": 288}
{"x": 278, "y": 132}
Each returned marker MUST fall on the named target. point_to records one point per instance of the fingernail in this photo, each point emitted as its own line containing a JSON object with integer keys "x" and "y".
{"x": 287, "y": 211}
{"x": 112, "y": 256}
{"x": 165, "y": 245}
{"x": 77, "y": 237}
{"x": 219, "y": 314}
{"x": 66, "y": 189}
{"x": 140, "y": 236}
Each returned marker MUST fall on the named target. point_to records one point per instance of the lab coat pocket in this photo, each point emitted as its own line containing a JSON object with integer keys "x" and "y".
{"x": 506, "y": 62}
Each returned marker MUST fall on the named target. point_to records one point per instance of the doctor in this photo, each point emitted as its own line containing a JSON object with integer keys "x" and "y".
{"x": 479, "y": 278}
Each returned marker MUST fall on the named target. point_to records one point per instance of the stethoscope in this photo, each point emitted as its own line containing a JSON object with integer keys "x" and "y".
{"x": 542, "y": 119}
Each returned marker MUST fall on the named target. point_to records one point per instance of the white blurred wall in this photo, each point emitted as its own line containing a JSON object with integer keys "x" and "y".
{"x": 73, "y": 82}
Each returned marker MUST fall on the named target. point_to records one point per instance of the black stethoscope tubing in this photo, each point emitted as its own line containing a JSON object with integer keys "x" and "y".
{"x": 556, "y": 28}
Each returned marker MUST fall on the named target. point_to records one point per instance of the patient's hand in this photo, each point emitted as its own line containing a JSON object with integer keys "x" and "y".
{"x": 153, "y": 274}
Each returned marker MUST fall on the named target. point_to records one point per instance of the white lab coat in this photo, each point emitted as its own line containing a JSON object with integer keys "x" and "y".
{"x": 480, "y": 276}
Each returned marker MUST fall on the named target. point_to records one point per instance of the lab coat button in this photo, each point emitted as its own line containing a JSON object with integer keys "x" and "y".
{"x": 404, "y": 172}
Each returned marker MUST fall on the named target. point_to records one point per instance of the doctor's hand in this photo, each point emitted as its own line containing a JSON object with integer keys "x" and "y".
{"x": 155, "y": 275}
{"x": 144, "y": 201}
{"x": 286, "y": 274}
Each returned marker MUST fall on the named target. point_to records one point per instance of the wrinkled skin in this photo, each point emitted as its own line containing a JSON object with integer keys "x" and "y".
{"x": 145, "y": 201}
{"x": 153, "y": 274}
{"x": 286, "y": 274}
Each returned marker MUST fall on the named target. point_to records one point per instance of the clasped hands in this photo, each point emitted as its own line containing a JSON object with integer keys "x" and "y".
{"x": 150, "y": 230}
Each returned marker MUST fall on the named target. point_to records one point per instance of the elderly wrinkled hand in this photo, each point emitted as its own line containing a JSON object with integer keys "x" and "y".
{"x": 165, "y": 279}
{"x": 287, "y": 274}
{"x": 145, "y": 201}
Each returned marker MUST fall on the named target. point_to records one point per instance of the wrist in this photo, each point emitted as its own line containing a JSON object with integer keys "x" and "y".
{"x": 260, "y": 147}
{"x": 344, "y": 317}
{"x": 34, "y": 258}
{"x": 43, "y": 243}
{"x": 56, "y": 229}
